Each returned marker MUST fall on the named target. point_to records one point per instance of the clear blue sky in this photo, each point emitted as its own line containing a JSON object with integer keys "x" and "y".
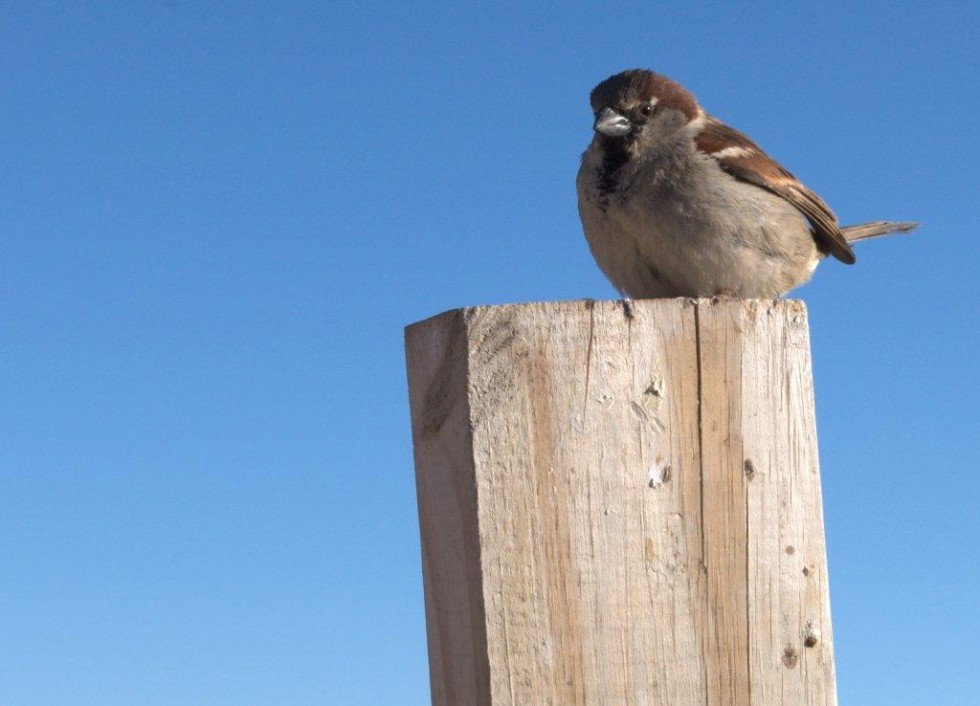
{"x": 216, "y": 218}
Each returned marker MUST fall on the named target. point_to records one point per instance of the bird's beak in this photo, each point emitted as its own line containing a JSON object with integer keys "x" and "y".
{"x": 611, "y": 124}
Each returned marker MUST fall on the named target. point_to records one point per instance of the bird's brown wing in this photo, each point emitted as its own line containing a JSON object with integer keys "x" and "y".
{"x": 743, "y": 159}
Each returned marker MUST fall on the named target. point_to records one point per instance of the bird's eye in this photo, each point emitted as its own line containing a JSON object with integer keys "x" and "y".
{"x": 646, "y": 110}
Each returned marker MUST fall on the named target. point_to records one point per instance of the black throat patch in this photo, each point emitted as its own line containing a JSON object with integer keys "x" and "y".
{"x": 615, "y": 155}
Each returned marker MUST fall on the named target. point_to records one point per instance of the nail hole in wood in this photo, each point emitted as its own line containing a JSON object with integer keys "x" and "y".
{"x": 811, "y": 635}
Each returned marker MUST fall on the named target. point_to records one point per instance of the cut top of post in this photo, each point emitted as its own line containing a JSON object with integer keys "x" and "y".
{"x": 621, "y": 504}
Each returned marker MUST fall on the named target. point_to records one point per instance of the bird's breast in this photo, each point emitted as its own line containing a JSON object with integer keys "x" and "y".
{"x": 657, "y": 233}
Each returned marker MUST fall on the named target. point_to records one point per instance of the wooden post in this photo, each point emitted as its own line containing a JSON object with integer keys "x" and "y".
{"x": 621, "y": 509}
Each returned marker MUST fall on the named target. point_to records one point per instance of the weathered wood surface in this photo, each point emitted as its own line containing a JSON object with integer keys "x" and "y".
{"x": 621, "y": 510}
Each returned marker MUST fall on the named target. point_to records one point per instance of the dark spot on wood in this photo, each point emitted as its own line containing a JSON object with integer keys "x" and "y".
{"x": 655, "y": 388}
{"x": 749, "y": 469}
{"x": 655, "y": 481}
{"x": 790, "y": 658}
{"x": 811, "y": 636}
{"x": 791, "y": 549}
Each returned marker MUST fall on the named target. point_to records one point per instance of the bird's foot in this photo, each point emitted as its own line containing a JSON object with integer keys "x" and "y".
{"x": 627, "y": 307}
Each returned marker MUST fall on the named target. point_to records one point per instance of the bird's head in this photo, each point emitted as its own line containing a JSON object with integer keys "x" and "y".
{"x": 639, "y": 109}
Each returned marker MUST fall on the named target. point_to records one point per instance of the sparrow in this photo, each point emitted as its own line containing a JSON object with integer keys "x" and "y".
{"x": 675, "y": 202}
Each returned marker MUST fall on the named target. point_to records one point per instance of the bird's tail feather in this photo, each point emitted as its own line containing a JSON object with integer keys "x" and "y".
{"x": 874, "y": 229}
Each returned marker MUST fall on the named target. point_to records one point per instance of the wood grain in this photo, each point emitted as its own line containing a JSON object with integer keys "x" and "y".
{"x": 620, "y": 509}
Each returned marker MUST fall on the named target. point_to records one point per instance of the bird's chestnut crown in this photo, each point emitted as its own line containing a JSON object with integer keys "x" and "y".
{"x": 623, "y": 103}
{"x": 636, "y": 86}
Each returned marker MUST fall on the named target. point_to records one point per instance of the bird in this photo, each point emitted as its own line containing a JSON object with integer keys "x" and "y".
{"x": 675, "y": 203}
